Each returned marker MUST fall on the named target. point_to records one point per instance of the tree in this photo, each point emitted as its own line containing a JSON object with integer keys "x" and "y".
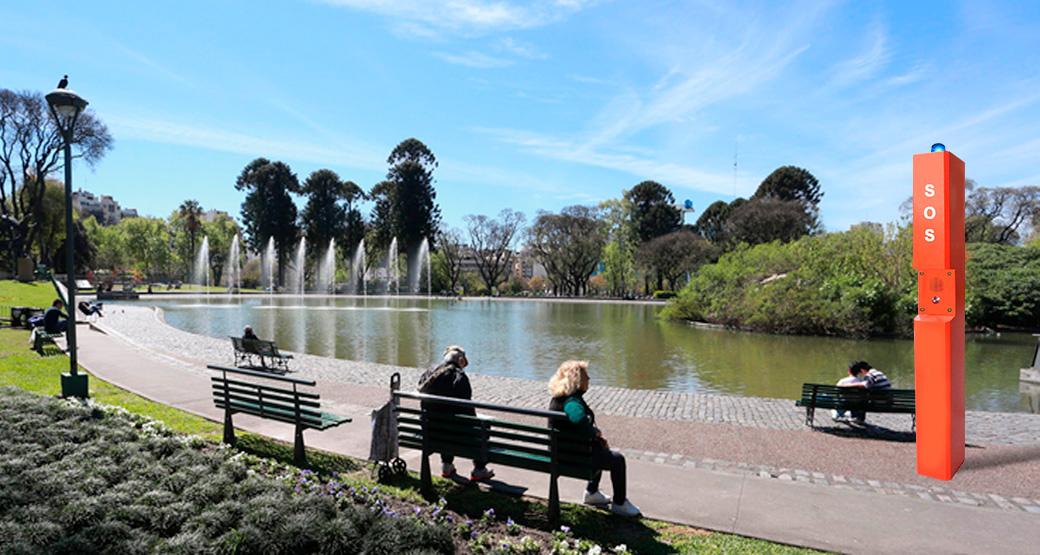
{"x": 569, "y": 244}
{"x": 111, "y": 248}
{"x": 492, "y": 244}
{"x": 671, "y": 257}
{"x": 450, "y": 245}
{"x": 653, "y": 210}
{"x": 324, "y": 218}
{"x": 147, "y": 244}
{"x": 269, "y": 211}
{"x": 190, "y": 212}
{"x": 790, "y": 183}
{"x": 221, "y": 233}
{"x": 617, "y": 228}
{"x": 996, "y": 214}
{"x": 768, "y": 219}
{"x": 30, "y": 149}
{"x": 712, "y": 223}
{"x": 405, "y": 206}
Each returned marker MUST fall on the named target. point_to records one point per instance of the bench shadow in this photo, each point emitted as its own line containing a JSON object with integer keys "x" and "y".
{"x": 868, "y": 431}
{"x": 49, "y": 351}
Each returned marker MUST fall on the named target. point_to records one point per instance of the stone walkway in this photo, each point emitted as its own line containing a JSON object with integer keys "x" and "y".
{"x": 145, "y": 328}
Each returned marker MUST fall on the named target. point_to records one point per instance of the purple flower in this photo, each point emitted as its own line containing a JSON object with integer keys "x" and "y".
{"x": 473, "y": 534}
{"x": 565, "y": 529}
{"x": 417, "y": 510}
{"x": 469, "y": 523}
{"x": 509, "y": 521}
{"x": 448, "y": 518}
{"x": 490, "y": 512}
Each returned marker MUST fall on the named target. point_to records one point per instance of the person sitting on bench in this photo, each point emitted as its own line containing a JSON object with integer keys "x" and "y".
{"x": 567, "y": 386}
{"x": 247, "y": 333}
{"x": 54, "y": 320}
{"x": 448, "y": 379}
{"x": 861, "y": 374}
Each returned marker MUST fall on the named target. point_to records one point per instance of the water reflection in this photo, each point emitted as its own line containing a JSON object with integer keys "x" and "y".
{"x": 625, "y": 344}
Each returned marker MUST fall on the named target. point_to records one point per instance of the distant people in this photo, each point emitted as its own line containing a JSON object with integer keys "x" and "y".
{"x": 567, "y": 388}
{"x": 54, "y": 320}
{"x": 448, "y": 379}
{"x": 247, "y": 333}
{"x": 90, "y": 308}
{"x": 861, "y": 374}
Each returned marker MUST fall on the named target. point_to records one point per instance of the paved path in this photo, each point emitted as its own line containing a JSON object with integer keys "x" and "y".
{"x": 741, "y": 465}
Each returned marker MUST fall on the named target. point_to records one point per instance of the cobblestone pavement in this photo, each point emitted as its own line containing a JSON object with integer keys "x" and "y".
{"x": 146, "y": 329}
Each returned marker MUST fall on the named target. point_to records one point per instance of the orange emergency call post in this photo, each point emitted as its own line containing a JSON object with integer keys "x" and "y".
{"x": 939, "y": 325}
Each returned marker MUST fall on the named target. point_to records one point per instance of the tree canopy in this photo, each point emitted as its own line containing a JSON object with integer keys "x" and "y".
{"x": 492, "y": 243}
{"x": 269, "y": 211}
{"x": 790, "y": 183}
{"x": 653, "y": 210}
{"x": 569, "y": 245}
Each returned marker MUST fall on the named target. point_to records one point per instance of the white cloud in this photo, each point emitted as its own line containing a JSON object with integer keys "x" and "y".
{"x": 866, "y": 65}
{"x": 522, "y": 49}
{"x": 473, "y": 59}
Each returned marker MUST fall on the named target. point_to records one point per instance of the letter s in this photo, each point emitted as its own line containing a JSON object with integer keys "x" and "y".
{"x": 929, "y": 190}
{"x": 929, "y": 235}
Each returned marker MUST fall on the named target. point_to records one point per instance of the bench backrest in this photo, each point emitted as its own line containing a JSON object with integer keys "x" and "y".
{"x": 277, "y": 402}
{"x": 255, "y": 346}
{"x": 856, "y": 398}
{"x": 532, "y": 445}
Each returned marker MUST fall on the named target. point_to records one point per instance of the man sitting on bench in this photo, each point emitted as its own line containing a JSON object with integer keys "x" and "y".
{"x": 862, "y": 375}
{"x": 247, "y": 333}
{"x": 54, "y": 320}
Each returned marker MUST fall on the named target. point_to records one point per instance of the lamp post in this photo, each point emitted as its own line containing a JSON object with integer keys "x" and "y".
{"x": 65, "y": 106}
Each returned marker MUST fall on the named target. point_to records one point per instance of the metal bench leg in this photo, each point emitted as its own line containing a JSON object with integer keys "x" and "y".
{"x": 299, "y": 455}
{"x": 229, "y": 429}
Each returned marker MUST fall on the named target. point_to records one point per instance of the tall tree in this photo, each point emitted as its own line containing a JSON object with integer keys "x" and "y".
{"x": 996, "y": 214}
{"x": 190, "y": 212}
{"x": 653, "y": 210}
{"x": 492, "y": 244}
{"x": 790, "y": 183}
{"x": 768, "y": 219}
{"x": 450, "y": 245}
{"x": 618, "y": 262}
{"x": 324, "y": 217}
{"x": 712, "y": 222}
{"x": 569, "y": 245}
{"x": 30, "y": 150}
{"x": 671, "y": 257}
{"x": 221, "y": 233}
{"x": 405, "y": 206}
{"x": 268, "y": 210}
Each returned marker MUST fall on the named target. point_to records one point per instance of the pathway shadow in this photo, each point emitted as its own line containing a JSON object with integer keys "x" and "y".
{"x": 868, "y": 431}
{"x": 981, "y": 457}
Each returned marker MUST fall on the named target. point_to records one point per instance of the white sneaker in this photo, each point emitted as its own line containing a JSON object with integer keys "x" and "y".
{"x": 835, "y": 415}
{"x": 596, "y": 498}
{"x": 627, "y": 509}
{"x": 447, "y": 470}
{"x": 481, "y": 474}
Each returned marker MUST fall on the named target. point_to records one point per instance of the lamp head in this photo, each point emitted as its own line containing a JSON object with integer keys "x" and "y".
{"x": 65, "y": 107}
{"x": 938, "y": 147}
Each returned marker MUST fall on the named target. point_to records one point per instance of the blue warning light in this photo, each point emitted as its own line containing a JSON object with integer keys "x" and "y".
{"x": 688, "y": 204}
{"x": 938, "y": 147}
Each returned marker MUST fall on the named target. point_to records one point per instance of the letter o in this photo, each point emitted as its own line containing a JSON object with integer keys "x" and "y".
{"x": 929, "y": 212}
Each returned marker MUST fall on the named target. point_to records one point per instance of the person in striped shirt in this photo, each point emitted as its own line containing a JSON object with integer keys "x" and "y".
{"x": 866, "y": 377}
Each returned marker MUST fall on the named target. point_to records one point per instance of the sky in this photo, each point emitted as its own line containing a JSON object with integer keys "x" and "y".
{"x": 544, "y": 104}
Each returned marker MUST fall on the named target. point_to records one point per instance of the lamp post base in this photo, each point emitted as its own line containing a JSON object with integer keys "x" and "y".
{"x": 74, "y": 385}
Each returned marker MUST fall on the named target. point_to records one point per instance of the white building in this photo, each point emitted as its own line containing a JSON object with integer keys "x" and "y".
{"x": 105, "y": 209}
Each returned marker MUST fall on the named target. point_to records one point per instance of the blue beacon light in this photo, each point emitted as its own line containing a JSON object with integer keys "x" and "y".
{"x": 938, "y": 147}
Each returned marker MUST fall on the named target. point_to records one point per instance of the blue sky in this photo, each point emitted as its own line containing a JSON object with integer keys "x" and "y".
{"x": 544, "y": 104}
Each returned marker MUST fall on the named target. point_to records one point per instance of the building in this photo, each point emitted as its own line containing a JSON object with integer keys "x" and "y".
{"x": 105, "y": 209}
{"x": 210, "y": 215}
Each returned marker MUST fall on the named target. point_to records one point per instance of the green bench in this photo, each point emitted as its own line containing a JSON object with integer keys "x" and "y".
{"x": 41, "y": 338}
{"x": 831, "y": 397}
{"x": 282, "y": 403}
{"x": 540, "y": 447}
{"x": 264, "y": 351}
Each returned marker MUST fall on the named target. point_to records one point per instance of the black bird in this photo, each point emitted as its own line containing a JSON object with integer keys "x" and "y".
{"x": 64, "y": 82}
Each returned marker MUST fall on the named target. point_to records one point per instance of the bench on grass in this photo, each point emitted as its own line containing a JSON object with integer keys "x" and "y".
{"x": 264, "y": 351}
{"x": 285, "y": 403}
{"x": 41, "y": 338}
{"x": 532, "y": 445}
{"x": 831, "y": 397}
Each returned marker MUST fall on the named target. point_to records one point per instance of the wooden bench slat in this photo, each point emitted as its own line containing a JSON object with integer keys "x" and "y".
{"x": 825, "y": 396}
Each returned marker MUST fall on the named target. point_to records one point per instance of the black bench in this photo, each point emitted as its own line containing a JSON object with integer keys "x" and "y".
{"x": 820, "y": 396}
{"x": 292, "y": 406}
{"x": 264, "y": 351}
{"x": 534, "y": 445}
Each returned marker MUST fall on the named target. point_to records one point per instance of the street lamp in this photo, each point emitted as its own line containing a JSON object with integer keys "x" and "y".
{"x": 65, "y": 107}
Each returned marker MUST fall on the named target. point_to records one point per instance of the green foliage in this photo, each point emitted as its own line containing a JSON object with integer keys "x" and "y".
{"x": 1002, "y": 286}
{"x": 664, "y": 294}
{"x": 268, "y": 210}
{"x": 789, "y": 183}
{"x": 855, "y": 283}
{"x": 653, "y": 210}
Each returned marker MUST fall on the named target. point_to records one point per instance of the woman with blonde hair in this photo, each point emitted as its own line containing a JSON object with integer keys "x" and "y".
{"x": 567, "y": 386}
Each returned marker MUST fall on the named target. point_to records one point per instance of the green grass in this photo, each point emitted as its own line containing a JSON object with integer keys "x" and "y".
{"x": 36, "y": 293}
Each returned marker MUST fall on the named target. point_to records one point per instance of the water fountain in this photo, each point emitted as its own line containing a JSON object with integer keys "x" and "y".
{"x": 327, "y": 269}
{"x": 301, "y": 259}
{"x": 201, "y": 276}
{"x": 267, "y": 265}
{"x": 419, "y": 264}
{"x": 392, "y": 270}
{"x": 234, "y": 267}
{"x": 357, "y": 270}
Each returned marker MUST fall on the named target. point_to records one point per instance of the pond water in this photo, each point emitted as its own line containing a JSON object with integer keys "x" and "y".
{"x": 625, "y": 344}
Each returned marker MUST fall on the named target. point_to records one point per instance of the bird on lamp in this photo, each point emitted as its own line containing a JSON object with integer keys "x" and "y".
{"x": 64, "y": 82}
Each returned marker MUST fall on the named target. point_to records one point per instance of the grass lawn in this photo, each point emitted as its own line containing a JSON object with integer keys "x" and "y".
{"x": 23, "y": 368}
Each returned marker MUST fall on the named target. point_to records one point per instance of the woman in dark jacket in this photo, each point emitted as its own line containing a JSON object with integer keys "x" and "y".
{"x": 567, "y": 386}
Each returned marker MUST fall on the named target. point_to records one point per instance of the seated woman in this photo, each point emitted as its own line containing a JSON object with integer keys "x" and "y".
{"x": 567, "y": 386}
{"x": 247, "y": 333}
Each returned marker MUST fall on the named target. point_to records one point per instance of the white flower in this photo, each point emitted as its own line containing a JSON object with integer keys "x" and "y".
{"x": 621, "y": 549}
{"x": 595, "y": 550}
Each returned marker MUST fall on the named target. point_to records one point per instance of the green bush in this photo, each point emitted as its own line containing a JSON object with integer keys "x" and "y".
{"x": 664, "y": 294}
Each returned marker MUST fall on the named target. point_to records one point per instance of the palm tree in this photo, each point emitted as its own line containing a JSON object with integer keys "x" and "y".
{"x": 191, "y": 211}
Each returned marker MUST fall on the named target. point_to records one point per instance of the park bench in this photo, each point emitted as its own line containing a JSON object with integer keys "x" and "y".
{"x": 284, "y": 403}
{"x": 831, "y": 397}
{"x": 41, "y": 338}
{"x": 264, "y": 351}
{"x": 535, "y": 445}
